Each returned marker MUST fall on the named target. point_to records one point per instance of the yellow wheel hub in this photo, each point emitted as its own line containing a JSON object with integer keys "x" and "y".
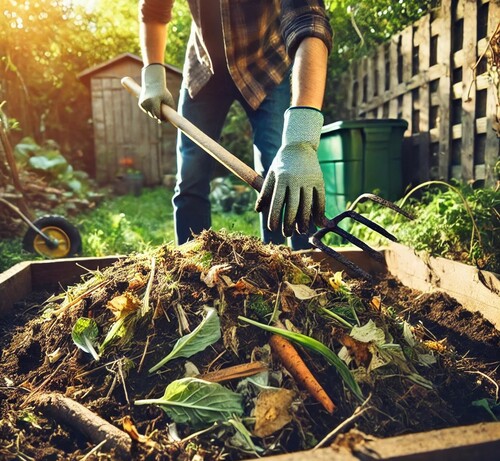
{"x": 62, "y": 248}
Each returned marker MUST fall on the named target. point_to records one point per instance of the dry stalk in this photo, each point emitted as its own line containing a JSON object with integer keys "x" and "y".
{"x": 144, "y": 353}
{"x": 122, "y": 377}
{"x": 358, "y": 412}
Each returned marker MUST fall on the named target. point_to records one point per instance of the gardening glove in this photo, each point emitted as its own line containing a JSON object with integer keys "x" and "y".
{"x": 294, "y": 183}
{"x": 154, "y": 91}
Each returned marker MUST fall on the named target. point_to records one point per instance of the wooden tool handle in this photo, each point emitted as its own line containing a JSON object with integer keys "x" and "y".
{"x": 232, "y": 163}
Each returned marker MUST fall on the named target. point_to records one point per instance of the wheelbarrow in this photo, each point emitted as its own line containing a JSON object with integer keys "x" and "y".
{"x": 50, "y": 236}
{"x": 253, "y": 179}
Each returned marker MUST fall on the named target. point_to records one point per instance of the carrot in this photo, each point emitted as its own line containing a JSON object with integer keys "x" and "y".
{"x": 299, "y": 370}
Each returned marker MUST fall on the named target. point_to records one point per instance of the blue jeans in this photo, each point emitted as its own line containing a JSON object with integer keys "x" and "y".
{"x": 208, "y": 111}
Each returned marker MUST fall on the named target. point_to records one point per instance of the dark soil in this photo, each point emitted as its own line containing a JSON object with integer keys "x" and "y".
{"x": 237, "y": 276}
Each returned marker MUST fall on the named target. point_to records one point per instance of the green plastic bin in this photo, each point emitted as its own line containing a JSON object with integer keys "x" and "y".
{"x": 358, "y": 156}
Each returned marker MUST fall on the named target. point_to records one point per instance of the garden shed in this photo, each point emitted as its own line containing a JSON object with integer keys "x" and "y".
{"x": 125, "y": 138}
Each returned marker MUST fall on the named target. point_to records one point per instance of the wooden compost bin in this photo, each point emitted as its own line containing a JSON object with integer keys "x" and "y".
{"x": 475, "y": 290}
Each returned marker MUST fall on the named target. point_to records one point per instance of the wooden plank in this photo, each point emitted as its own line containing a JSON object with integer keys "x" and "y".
{"x": 492, "y": 148}
{"x": 15, "y": 284}
{"x": 370, "y": 76}
{"x": 394, "y": 82}
{"x": 466, "y": 443}
{"x": 380, "y": 57}
{"x": 24, "y": 278}
{"x": 111, "y": 145}
{"x": 323, "y": 454}
{"x": 469, "y": 93}
{"x": 99, "y": 130}
{"x": 476, "y": 290}
{"x": 357, "y": 256}
{"x": 359, "y": 81}
{"x": 66, "y": 271}
{"x": 406, "y": 52}
{"x": 346, "y": 90}
{"x": 422, "y": 38}
{"x": 117, "y": 111}
{"x": 444, "y": 90}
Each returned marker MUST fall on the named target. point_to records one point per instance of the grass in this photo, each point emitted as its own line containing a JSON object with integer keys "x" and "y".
{"x": 127, "y": 224}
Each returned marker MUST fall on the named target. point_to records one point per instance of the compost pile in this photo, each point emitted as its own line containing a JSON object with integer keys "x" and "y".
{"x": 178, "y": 351}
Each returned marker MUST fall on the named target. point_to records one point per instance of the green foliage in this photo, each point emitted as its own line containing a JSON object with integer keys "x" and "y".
{"x": 84, "y": 335}
{"x": 205, "y": 334}
{"x": 455, "y": 222}
{"x": 48, "y": 162}
{"x": 358, "y": 28}
{"x": 11, "y": 253}
{"x": 124, "y": 224}
{"x": 178, "y": 34}
{"x": 236, "y": 136}
{"x": 197, "y": 402}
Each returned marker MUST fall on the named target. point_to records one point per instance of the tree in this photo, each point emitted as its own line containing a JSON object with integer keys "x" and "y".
{"x": 358, "y": 28}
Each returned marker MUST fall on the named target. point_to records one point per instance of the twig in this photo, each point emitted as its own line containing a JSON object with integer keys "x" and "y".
{"x": 122, "y": 377}
{"x": 143, "y": 356}
{"x": 196, "y": 434}
{"x": 357, "y": 414}
{"x": 33, "y": 394}
{"x": 94, "y": 450}
{"x": 215, "y": 360}
{"x": 489, "y": 379}
{"x": 474, "y": 67}
{"x": 145, "y": 301}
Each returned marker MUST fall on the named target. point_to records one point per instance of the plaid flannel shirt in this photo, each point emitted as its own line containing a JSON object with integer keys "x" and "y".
{"x": 260, "y": 40}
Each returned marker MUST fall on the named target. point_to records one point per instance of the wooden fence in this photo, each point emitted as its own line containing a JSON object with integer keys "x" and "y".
{"x": 442, "y": 75}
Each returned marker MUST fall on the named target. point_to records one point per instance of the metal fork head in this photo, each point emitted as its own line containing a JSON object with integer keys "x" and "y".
{"x": 332, "y": 225}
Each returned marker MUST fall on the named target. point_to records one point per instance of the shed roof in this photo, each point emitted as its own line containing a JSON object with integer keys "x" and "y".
{"x": 87, "y": 73}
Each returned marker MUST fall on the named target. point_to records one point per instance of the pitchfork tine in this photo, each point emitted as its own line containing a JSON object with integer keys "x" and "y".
{"x": 315, "y": 240}
{"x": 331, "y": 225}
{"x": 382, "y": 201}
{"x": 367, "y": 222}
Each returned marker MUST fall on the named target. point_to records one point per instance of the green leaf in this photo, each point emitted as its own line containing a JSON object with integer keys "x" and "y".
{"x": 50, "y": 161}
{"x": 204, "y": 335}
{"x": 488, "y": 405}
{"x": 84, "y": 335}
{"x": 315, "y": 346}
{"x": 117, "y": 330}
{"x": 197, "y": 402}
{"x": 242, "y": 438}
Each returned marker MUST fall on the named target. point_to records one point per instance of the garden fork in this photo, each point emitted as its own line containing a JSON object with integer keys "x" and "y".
{"x": 247, "y": 174}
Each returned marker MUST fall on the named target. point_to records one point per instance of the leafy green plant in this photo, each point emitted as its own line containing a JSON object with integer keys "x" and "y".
{"x": 197, "y": 402}
{"x": 84, "y": 335}
{"x": 205, "y": 334}
{"x": 454, "y": 221}
{"x": 47, "y": 161}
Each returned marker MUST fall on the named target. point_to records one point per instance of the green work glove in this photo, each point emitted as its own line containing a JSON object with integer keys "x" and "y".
{"x": 154, "y": 91}
{"x": 294, "y": 183}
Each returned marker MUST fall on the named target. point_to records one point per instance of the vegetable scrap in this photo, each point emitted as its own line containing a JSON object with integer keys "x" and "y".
{"x": 228, "y": 348}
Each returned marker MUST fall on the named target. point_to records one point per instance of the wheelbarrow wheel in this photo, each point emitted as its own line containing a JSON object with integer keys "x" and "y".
{"x": 66, "y": 238}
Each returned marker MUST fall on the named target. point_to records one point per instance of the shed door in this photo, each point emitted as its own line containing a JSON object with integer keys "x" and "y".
{"x": 121, "y": 131}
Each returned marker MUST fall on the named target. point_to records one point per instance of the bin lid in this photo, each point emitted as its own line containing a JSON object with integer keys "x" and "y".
{"x": 365, "y": 123}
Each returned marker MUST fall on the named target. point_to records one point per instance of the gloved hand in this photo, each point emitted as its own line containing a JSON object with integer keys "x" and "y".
{"x": 154, "y": 91}
{"x": 295, "y": 181}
